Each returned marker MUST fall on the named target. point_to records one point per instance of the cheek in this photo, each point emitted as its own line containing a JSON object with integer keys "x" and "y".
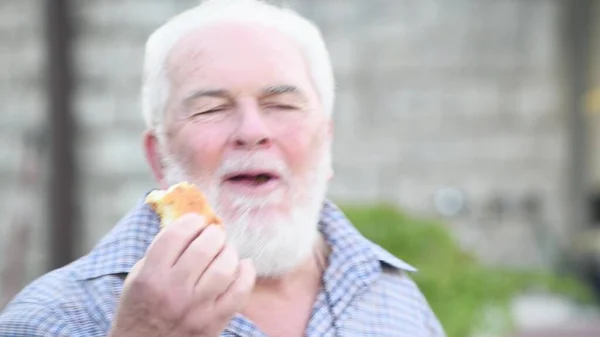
{"x": 203, "y": 147}
{"x": 301, "y": 146}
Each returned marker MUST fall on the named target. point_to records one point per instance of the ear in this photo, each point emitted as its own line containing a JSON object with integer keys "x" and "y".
{"x": 330, "y": 129}
{"x": 153, "y": 154}
{"x": 330, "y": 140}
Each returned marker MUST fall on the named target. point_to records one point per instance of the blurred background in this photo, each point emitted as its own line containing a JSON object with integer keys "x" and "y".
{"x": 467, "y": 143}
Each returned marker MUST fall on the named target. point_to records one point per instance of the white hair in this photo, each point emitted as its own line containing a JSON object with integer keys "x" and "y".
{"x": 155, "y": 83}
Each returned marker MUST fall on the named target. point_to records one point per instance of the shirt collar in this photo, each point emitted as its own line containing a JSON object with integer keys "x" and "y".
{"x": 344, "y": 238}
{"x": 128, "y": 241}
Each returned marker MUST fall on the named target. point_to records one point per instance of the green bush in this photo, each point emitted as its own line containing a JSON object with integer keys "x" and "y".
{"x": 458, "y": 287}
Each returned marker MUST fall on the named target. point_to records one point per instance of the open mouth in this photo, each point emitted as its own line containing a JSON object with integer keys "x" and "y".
{"x": 251, "y": 178}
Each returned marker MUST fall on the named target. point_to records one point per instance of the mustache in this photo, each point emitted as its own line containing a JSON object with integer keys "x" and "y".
{"x": 254, "y": 162}
{"x": 177, "y": 171}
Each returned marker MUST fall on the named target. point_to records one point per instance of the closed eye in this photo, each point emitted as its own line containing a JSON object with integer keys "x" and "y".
{"x": 210, "y": 111}
{"x": 282, "y": 107}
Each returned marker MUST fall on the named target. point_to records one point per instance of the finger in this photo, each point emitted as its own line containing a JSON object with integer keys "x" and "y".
{"x": 219, "y": 274}
{"x": 172, "y": 241}
{"x": 235, "y": 297}
{"x": 194, "y": 261}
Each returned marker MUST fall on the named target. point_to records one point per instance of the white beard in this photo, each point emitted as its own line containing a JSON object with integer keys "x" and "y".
{"x": 276, "y": 242}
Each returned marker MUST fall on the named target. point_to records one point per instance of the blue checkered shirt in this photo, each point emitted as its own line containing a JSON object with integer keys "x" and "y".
{"x": 366, "y": 292}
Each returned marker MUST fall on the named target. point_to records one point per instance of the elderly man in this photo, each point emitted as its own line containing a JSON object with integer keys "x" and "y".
{"x": 238, "y": 97}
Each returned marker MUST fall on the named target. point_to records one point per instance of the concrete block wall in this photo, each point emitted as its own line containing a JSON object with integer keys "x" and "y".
{"x": 463, "y": 94}
{"x": 22, "y": 112}
{"x": 431, "y": 94}
{"x": 594, "y": 115}
{"x": 109, "y": 53}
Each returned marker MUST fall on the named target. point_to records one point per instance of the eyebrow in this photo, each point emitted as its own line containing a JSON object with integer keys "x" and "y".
{"x": 280, "y": 89}
{"x": 219, "y": 93}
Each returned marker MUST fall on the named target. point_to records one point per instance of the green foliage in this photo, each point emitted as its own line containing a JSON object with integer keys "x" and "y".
{"x": 457, "y": 286}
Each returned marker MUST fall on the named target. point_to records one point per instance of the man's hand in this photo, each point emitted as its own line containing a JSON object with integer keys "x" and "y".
{"x": 190, "y": 283}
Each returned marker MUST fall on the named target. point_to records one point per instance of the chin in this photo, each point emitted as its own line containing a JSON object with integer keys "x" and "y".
{"x": 277, "y": 232}
{"x": 254, "y": 211}
{"x": 276, "y": 242}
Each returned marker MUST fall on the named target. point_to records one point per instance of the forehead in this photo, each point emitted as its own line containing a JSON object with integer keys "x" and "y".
{"x": 236, "y": 56}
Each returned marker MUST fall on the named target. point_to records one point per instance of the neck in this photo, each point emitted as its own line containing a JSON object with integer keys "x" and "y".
{"x": 308, "y": 274}
{"x": 282, "y": 306}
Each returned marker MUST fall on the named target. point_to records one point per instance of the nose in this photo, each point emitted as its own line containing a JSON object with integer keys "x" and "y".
{"x": 252, "y": 131}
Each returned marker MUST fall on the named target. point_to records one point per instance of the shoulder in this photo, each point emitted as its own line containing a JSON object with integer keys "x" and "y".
{"x": 32, "y": 319}
{"x": 56, "y": 304}
{"x": 403, "y": 292}
{"x": 397, "y": 284}
{"x": 81, "y": 297}
{"x": 39, "y": 309}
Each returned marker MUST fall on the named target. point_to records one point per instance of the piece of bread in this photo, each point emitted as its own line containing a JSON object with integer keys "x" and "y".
{"x": 178, "y": 200}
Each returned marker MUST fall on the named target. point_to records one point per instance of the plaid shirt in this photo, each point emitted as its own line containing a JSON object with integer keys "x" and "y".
{"x": 366, "y": 289}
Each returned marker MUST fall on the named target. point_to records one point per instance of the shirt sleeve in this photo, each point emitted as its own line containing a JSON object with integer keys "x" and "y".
{"x": 32, "y": 320}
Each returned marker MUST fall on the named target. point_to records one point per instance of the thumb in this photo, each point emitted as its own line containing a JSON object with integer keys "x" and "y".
{"x": 135, "y": 270}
